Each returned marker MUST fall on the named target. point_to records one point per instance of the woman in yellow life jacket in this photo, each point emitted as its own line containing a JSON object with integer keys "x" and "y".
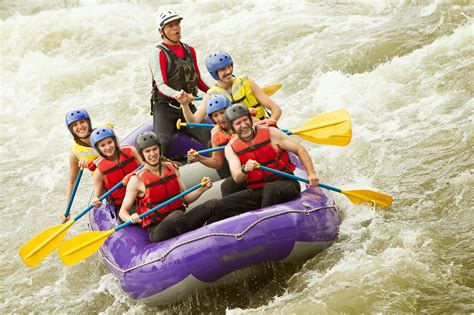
{"x": 241, "y": 89}
{"x": 79, "y": 124}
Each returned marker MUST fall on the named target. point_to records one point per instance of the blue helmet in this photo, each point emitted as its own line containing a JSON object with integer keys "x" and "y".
{"x": 216, "y": 103}
{"x": 217, "y": 61}
{"x": 100, "y": 134}
{"x": 75, "y": 115}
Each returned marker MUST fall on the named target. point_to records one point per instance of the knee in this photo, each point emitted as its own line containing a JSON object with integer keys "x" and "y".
{"x": 177, "y": 216}
{"x": 217, "y": 208}
{"x": 270, "y": 188}
{"x": 214, "y": 204}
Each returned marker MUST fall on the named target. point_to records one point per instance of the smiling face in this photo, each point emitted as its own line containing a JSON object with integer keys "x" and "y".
{"x": 225, "y": 74}
{"x": 219, "y": 119}
{"x": 81, "y": 128}
{"x": 107, "y": 147}
{"x": 152, "y": 155}
{"x": 172, "y": 31}
{"x": 243, "y": 127}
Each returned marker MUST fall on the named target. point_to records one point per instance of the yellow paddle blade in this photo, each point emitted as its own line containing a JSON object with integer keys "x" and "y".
{"x": 335, "y": 139}
{"x": 36, "y": 249}
{"x": 368, "y": 196}
{"x": 82, "y": 246}
{"x": 271, "y": 89}
{"x": 334, "y": 128}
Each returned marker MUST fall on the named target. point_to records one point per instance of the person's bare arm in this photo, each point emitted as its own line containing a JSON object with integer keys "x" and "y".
{"x": 137, "y": 156}
{"x": 284, "y": 142}
{"x": 73, "y": 171}
{"x": 216, "y": 160}
{"x": 234, "y": 165}
{"x": 133, "y": 190}
{"x": 194, "y": 195}
{"x": 265, "y": 100}
{"x": 200, "y": 113}
{"x": 98, "y": 188}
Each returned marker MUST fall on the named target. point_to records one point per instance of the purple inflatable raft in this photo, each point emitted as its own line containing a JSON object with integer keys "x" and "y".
{"x": 221, "y": 253}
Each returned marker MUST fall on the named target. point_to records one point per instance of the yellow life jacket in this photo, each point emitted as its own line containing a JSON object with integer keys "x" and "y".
{"x": 241, "y": 93}
{"x": 84, "y": 153}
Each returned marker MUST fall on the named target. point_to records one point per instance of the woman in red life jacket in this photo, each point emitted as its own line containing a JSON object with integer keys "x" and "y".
{"x": 268, "y": 146}
{"x": 158, "y": 181}
{"x": 175, "y": 73}
{"x": 113, "y": 164}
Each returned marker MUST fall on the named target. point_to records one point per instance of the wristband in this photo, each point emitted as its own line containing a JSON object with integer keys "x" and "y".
{"x": 242, "y": 169}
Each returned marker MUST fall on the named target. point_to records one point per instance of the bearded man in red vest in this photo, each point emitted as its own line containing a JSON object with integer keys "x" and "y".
{"x": 252, "y": 146}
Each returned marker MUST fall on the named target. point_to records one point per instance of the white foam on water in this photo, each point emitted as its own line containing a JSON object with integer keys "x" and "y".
{"x": 402, "y": 69}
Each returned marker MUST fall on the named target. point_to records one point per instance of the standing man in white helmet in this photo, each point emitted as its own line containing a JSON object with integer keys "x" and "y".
{"x": 175, "y": 72}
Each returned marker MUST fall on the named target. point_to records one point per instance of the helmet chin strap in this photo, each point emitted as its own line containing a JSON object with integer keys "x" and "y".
{"x": 164, "y": 35}
{"x": 153, "y": 165}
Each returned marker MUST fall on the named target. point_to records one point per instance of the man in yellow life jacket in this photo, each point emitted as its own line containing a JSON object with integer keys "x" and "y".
{"x": 261, "y": 145}
{"x": 112, "y": 166}
{"x": 158, "y": 181}
{"x": 78, "y": 123}
{"x": 241, "y": 89}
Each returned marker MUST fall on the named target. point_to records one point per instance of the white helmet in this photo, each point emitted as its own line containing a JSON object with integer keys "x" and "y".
{"x": 166, "y": 16}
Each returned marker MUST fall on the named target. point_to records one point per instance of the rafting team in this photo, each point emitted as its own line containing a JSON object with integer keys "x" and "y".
{"x": 245, "y": 121}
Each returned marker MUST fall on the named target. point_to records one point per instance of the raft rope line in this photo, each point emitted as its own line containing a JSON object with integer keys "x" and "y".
{"x": 238, "y": 236}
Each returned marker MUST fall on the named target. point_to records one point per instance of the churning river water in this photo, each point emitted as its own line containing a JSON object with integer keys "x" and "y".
{"x": 403, "y": 69}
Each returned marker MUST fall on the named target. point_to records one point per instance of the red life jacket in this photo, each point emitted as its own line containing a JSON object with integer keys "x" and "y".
{"x": 158, "y": 189}
{"x": 261, "y": 150}
{"x": 114, "y": 172}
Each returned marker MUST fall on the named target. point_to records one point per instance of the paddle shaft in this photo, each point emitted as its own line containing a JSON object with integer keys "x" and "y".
{"x": 223, "y": 147}
{"x": 167, "y": 202}
{"x": 301, "y": 179}
{"x": 118, "y": 185}
{"x": 71, "y": 198}
{"x": 186, "y": 124}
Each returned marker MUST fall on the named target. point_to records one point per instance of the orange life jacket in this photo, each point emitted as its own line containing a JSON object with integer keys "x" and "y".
{"x": 220, "y": 137}
{"x": 261, "y": 150}
{"x": 158, "y": 189}
{"x": 114, "y": 172}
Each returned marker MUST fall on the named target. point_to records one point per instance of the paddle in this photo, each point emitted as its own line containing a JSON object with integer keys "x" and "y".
{"x": 73, "y": 194}
{"x": 332, "y": 128}
{"x": 356, "y": 196}
{"x": 180, "y": 124}
{"x": 82, "y": 246}
{"x": 36, "y": 249}
{"x": 269, "y": 90}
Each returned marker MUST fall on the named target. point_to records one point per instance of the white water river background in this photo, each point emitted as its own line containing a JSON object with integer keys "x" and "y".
{"x": 403, "y": 69}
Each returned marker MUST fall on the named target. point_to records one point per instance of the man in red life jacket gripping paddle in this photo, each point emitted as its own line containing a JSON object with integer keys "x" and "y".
{"x": 255, "y": 145}
{"x": 175, "y": 73}
{"x": 157, "y": 182}
{"x": 112, "y": 166}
